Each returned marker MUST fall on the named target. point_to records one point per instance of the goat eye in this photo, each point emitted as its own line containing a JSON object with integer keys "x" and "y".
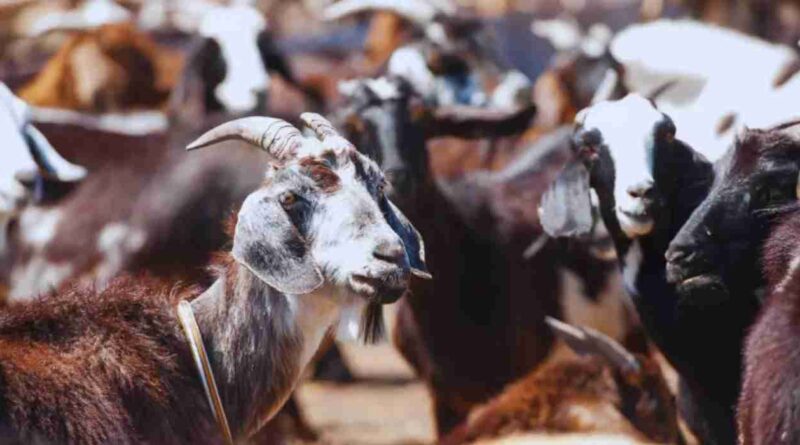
{"x": 381, "y": 190}
{"x": 287, "y": 199}
{"x": 589, "y": 151}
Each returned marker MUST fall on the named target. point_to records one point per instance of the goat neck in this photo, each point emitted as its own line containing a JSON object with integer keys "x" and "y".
{"x": 251, "y": 331}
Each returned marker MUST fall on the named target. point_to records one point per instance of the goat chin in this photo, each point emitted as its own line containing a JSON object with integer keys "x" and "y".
{"x": 634, "y": 227}
{"x": 350, "y": 318}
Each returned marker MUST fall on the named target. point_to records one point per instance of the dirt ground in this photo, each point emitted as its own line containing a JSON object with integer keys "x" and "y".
{"x": 385, "y": 406}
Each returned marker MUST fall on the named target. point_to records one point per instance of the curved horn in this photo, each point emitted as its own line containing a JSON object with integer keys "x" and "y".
{"x": 417, "y": 11}
{"x": 331, "y": 139}
{"x": 275, "y": 136}
{"x": 589, "y": 341}
{"x": 49, "y": 161}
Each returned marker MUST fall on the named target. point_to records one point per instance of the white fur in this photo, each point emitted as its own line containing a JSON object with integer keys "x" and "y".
{"x": 717, "y": 72}
{"x": 627, "y": 128}
{"x": 115, "y": 242}
{"x": 37, "y": 277}
{"x": 91, "y": 14}
{"x": 236, "y": 29}
{"x": 14, "y": 150}
{"x": 409, "y": 63}
{"x": 39, "y": 226}
{"x": 633, "y": 261}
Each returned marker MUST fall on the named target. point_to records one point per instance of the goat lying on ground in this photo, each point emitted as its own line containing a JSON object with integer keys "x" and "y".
{"x": 611, "y": 391}
{"x": 482, "y": 288}
{"x": 115, "y": 368}
{"x": 648, "y": 183}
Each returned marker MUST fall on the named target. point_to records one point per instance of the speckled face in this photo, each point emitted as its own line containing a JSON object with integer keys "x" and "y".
{"x": 324, "y": 219}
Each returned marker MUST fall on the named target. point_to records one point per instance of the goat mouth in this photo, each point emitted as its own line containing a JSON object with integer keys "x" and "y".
{"x": 707, "y": 288}
{"x": 635, "y": 224}
{"x": 385, "y": 289}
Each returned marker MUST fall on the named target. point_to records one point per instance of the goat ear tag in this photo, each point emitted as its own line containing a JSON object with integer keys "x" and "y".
{"x": 269, "y": 245}
{"x": 566, "y": 207}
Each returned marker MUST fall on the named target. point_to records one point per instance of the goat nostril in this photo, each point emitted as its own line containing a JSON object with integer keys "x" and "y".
{"x": 390, "y": 252}
{"x": 640, "y": 191}
{"x": 677, "y": 255}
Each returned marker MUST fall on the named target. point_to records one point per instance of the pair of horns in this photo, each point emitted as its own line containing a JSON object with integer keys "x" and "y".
{"x": 280, "y": 139}
{"x": 586, "y": 341}
{"x": 418, "y": 11}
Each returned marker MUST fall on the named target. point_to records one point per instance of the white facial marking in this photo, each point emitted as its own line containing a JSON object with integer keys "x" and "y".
{"x": 39, "y": 226}
{"x": 627, "y": 127}
{"x": 236, "y": 29}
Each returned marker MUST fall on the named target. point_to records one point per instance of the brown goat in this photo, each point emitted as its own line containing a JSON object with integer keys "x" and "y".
{"x": 111, "y": 68}
{"x": 768, "y": 405}
{"x": 610, "y": 391}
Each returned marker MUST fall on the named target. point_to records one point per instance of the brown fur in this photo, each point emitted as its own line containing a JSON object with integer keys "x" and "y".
{"x": 111, "y": 367}
{"x": 577, "y": 395}
{"x": 138, "y": 72}
{"x": 768, "y": 409}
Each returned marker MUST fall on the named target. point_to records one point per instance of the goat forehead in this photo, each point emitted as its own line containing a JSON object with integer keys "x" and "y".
{"x": 627, "y": 127}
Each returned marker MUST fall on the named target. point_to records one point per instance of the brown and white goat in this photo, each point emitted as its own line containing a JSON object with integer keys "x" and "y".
{"x": 316, "y": 242}
{"x": 609, "y": 390}
{"x": 110, "y": 68}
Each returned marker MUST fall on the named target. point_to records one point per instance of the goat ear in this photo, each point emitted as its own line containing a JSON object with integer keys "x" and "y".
{"x": 268, "y": 243}
{"x": 566, "y": 207}
{"x": 412, "y": 241}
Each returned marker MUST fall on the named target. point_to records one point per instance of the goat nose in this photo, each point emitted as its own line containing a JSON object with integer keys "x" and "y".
{"x": 641, "y": 190}
{"x": 390, "y": 252}
{"x": 677, "y": 254}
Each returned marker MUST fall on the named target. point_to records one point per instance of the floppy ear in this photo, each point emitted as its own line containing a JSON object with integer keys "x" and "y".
{"x": 412, "y": 241}
{"x": 268, "y": 244}
{"x": 566, "y": 207}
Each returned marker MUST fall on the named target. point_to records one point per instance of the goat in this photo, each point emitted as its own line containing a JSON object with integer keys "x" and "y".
{"x": 714, "y": 259}
{"x": 110, "y": 68}
{"x": 648, "y": 183}
{"x": 610, "y": 391}
{"x": 767, "y": 407}
{"x": 285, "y": 272}
{"x": 485, "y": 285}
{"x": 28, "y": 160}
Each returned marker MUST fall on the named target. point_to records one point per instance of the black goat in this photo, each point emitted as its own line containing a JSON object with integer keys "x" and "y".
{"x": 476, "y": 228}
{"x": 648, "y": 183}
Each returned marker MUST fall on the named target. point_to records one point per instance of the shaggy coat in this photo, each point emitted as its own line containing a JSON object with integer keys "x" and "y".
{"x": 578, "y": 395}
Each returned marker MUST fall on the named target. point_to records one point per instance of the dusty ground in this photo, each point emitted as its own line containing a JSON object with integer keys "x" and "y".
{"x": 386, "y": 406}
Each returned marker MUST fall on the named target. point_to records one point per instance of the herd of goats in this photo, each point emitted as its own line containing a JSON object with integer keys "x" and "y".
{"x": 561, "y": 245}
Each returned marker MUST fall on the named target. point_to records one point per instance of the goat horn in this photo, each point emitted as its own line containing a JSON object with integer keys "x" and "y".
{"x": 275, "y": 136}
{"x": 589, "y": 341}
{"x": 331, "y": 139}
{"x": 49, "y": 161}
{"x": 421, "y": 12}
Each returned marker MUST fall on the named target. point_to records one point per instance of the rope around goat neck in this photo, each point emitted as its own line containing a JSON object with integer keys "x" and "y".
{"x": 192, "y": 332}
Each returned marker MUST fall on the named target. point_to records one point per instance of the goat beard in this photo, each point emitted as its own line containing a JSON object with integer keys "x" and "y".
{"x": 372, "y": 327}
